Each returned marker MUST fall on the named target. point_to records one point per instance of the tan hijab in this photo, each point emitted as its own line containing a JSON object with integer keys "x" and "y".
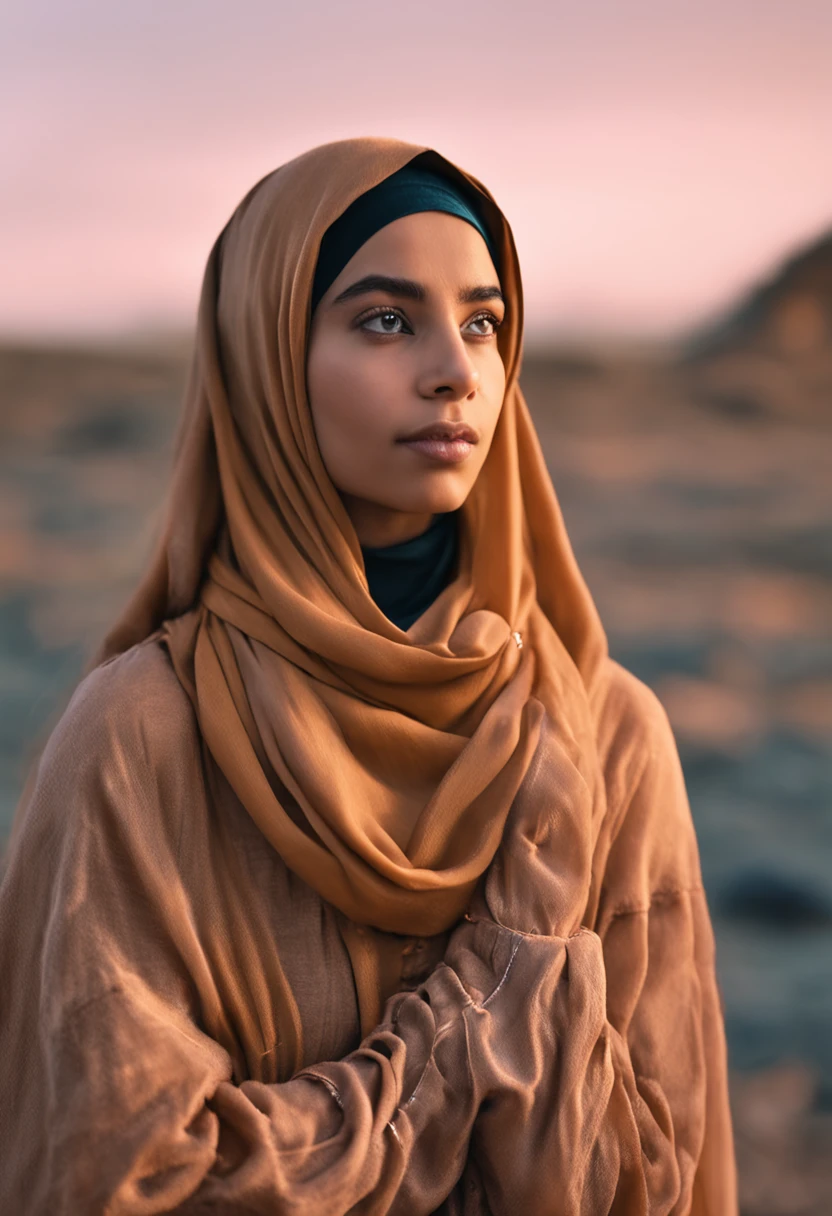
{"x": 380, "y": 764}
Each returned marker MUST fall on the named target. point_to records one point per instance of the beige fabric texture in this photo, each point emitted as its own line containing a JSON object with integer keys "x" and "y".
{"x": 238, "y": 972}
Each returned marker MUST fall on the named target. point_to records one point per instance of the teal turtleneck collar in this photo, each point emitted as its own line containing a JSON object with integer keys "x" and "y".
{"x": 404, "y": 579}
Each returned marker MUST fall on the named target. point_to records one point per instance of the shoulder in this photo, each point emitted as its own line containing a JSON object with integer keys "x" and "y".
{"x": 649, "y": 830}
{"x": 633, "y": 732}
{"x": 628, "y": 703}
{"x": 124, "y": 755}
{"x": 132, "y": 704}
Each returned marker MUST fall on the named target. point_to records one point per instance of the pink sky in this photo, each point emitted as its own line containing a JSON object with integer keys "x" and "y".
{"x": 653, "y": 157}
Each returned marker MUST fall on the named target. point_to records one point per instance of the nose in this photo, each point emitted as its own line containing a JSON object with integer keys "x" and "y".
{"x": 448, "y": 370}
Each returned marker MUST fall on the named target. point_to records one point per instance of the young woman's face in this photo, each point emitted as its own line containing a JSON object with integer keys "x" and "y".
{"x": 405, "y": 339}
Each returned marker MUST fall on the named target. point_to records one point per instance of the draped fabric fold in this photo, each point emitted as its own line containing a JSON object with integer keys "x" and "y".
{"x": 380, "y": 763}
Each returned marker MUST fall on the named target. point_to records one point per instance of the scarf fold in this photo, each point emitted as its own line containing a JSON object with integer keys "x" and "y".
{"x": 381, "y": 764}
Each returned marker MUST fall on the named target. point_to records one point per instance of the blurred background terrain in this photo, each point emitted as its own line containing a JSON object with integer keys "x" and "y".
{"x": 657, "y": 163}
{"x": 696, "y": 482}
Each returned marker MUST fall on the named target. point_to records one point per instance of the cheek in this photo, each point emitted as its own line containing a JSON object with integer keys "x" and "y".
{"x": 337, "y": 388}
{"x": 493, "y": 384}
{"x": 352, "y": 398}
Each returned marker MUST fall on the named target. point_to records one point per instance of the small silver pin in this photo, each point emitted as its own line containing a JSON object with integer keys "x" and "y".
{"x": 518, "y": 638}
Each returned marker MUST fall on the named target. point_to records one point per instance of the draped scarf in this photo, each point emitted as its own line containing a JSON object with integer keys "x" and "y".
{"x": 380, "y": 763}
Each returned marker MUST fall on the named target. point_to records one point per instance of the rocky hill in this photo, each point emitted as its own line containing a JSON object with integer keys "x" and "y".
{"x": 788, "y": 314}
{"x": 771, "y": 355}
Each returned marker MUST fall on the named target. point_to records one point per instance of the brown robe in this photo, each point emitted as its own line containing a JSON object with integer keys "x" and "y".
{"x": 145, "y": 918}
{"x": 306, "y": 913}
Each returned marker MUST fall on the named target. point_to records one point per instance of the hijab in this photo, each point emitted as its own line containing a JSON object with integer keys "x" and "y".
{"x": 380, "y": 762}
{"x": 410, "y": 189}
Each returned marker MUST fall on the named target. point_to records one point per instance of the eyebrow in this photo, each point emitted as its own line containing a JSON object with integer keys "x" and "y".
{"x": 411, "y": 290}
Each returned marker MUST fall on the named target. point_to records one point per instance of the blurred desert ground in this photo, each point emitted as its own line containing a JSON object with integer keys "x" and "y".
{"x": 696, "y": 482}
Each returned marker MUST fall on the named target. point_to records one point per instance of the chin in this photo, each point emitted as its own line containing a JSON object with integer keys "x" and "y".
{"x": 439, "y": 495}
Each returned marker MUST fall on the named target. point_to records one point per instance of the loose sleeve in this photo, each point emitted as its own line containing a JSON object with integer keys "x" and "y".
{"x": 630, "y": 1114}
{"x": 141, "y": 1117}
{"x": 116, "y": 1100}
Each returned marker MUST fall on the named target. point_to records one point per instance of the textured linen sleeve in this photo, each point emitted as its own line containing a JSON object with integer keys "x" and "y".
{"x": 144, "y": 1120}
{"x": 116, "y": 1101}
{"x": 631, "y": 1113}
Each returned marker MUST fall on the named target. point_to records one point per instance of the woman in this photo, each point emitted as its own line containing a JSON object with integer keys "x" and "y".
{"x": 357, "y": 876}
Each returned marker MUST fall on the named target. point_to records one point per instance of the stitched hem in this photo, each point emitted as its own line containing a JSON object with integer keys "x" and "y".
{"x": 664, "y": 895}
{"x": 529, "y": 934}
{"x": 515, "y": 948}
{"x": 316, "y": 1076}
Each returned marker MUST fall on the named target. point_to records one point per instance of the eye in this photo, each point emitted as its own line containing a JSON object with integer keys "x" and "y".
{"x": 389, "y": 321}
{"x": 387, "y": 318}
{"x": 486, "y": 318}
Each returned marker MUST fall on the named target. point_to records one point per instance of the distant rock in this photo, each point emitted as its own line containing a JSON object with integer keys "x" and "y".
{"x": 788, "y": 314}
{"x": 775, "y": 900}
{"x": 782, "y": 1142}
{"x": 116, "y": 424}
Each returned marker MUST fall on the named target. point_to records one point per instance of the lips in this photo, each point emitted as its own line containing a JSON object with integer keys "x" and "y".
{"x": 443, "y": 443}
{"x": 447, "y": 431}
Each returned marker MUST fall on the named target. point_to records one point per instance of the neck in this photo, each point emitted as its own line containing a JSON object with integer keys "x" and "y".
{"x": 377, "y": 526}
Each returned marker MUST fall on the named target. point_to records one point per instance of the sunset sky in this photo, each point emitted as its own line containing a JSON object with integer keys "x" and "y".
{"x": 653, "y": 158}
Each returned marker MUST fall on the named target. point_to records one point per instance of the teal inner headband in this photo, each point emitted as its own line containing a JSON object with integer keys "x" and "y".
{"x": 408, "y": 190}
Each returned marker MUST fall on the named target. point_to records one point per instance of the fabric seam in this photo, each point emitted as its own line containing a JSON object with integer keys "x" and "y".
{"x": 325, "y": 1081}
{"x": 662, "y": 896}
{"x": 515, "y": 948}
